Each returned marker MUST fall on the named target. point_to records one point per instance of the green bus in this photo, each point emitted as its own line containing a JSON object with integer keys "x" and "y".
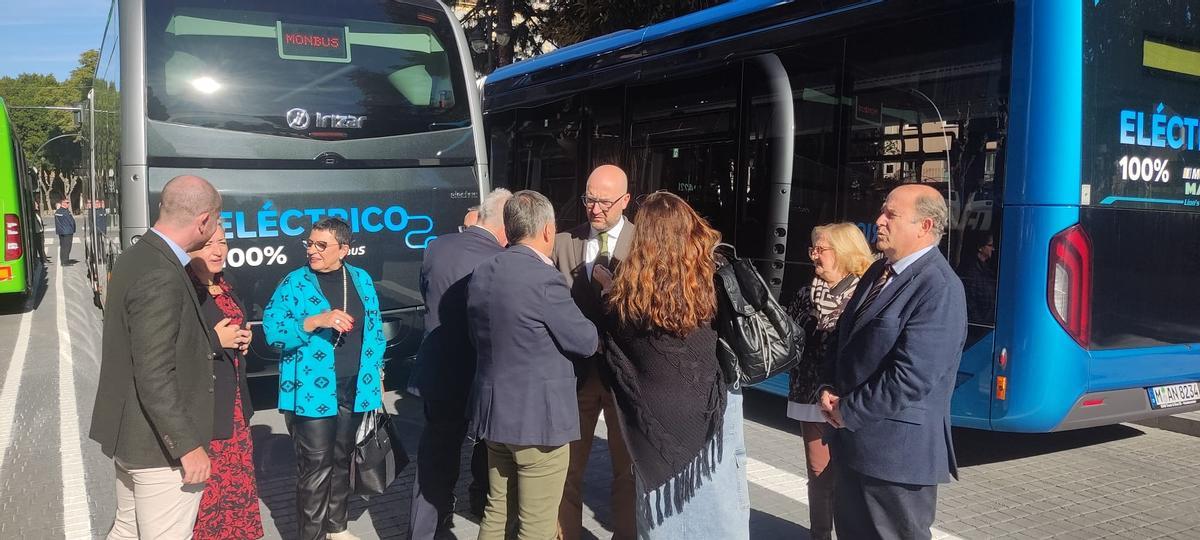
{"x": 23, "y": 250}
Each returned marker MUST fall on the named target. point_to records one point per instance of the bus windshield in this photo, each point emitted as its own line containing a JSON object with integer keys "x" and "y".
{"x": 320, "y": 70}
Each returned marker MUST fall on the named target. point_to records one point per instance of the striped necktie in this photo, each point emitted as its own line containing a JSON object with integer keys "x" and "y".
{"x": 874, "y": 292}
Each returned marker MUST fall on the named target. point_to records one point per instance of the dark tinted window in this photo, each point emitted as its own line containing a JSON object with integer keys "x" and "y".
{"x": 1141, "y": 145}
{"x": 1141, "y": 160}
{"x": 684, "y": 141}
{"x": 546, "y": 157}
{"x": 931, "y": 107}
{"x": 791, "y": 170}
{"x": 345, "y": 70}
{"x": 1144, "y": 277}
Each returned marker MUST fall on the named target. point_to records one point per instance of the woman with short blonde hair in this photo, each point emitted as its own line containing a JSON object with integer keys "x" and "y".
{"x": 840, "y": 255}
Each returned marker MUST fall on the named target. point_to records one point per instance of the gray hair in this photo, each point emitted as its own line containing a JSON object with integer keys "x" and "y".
{"x": 934, "y": 207}
{"x": 187, "y": 196}
{"x": 526, "y": 214}
{"x": 335, "y": 226}
{"x": 492, "y": 208}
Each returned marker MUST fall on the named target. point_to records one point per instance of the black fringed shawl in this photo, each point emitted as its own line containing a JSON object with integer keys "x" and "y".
{"x": 672, "y": 401}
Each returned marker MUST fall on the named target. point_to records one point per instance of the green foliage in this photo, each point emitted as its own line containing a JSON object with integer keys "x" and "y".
{"x": 572, "y": 21}
{"x": 563, "y": 22}
{"x": 34, "y": 127}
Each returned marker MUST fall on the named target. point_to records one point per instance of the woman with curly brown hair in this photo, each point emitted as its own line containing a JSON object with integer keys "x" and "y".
{"x": 682, "y": 424}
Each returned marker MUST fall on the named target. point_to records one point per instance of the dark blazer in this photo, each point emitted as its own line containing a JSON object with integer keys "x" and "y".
{"x": 154, "y": 401}
{"x": 568, "y": 258}
{"x": 894, "y": 368}
{"x": 446, "y": 358}
{"x": 525, "y": 328}
{"x": 226, "y": 377}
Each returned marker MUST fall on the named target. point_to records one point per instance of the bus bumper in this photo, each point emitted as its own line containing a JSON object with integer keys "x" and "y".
{"x": 1113, "y": 407}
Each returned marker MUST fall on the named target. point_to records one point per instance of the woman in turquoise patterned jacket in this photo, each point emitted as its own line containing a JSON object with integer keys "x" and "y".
{"x": 324, "y": 317}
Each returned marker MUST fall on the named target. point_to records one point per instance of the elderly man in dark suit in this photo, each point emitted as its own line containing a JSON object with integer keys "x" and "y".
{"x": 154, "y": 405}
{"x": 596, "y": 246}
{"x": 526, "y": 330}
{"x": 892, "y": 370}
{"x": 446, "y": 368}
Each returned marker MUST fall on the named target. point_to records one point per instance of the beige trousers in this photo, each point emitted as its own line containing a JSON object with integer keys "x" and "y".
{"x": 154, "y": 504}
{"x": 593, "y": 398}
{"x": 531, "y": 479}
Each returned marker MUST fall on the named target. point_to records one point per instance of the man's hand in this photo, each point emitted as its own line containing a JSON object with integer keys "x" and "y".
{"x": 828, "y": 403}
{"x": 195, "y": 466}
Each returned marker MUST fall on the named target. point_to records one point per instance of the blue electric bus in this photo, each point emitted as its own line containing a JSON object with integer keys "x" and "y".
{"x": 1064, "y": 135}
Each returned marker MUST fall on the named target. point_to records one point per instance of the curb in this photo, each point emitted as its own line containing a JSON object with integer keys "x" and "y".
{"x": 1186, "y": 423}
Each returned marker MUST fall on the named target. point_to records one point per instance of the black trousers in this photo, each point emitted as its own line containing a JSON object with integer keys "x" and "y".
{"x": 64, "y": 247}
{"x": 868, "y": 508}
{"x": 324, "y": 448}
{"x": 438, "y": 458}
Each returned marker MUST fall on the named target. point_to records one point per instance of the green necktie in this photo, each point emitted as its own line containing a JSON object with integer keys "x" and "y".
{"x": 604, "y": 245}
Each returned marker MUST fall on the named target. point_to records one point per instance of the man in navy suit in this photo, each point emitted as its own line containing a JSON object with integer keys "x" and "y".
{"x": 891, "y": 372}
{"x": 446, "y": 367}
{"x": 526, "y": 330}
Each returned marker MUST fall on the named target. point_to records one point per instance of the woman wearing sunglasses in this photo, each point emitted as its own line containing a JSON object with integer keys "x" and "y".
{"x": 325, "y": 319}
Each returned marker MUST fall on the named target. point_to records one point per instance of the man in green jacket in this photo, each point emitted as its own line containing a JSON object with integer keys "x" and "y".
{"x": 154, "y": 405}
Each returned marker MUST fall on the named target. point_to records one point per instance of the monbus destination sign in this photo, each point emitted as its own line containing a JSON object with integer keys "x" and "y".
{"x": 311, "y": 42}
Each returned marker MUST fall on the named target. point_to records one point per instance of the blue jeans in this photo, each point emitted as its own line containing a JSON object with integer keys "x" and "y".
{"x": 720, "y": 509}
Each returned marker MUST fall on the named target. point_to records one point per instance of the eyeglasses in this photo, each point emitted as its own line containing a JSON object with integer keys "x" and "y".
{"x": 604, "y": 205}
{"x": 318, "y": 245}
{"x": 818, "y": 250}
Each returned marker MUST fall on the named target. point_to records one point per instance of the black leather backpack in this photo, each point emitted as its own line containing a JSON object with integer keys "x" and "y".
{"x": 758, "y": 339}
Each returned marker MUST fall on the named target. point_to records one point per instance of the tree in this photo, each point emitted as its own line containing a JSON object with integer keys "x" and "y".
{"x": 58, "y": 161}
{"x": 572, "y": 21}
{"x": 558, "y": 23}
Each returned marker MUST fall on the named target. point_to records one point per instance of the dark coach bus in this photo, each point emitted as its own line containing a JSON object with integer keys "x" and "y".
{"x": 295, "y": 110}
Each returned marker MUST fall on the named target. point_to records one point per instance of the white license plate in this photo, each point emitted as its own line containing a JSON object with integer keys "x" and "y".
{"x": 1174, "y": 395}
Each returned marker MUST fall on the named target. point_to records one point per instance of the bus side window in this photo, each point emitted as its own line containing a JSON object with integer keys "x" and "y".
{"x": 932, "y": 109}
{"x": 791, "y": 160}
{"x": 547, "y": 157}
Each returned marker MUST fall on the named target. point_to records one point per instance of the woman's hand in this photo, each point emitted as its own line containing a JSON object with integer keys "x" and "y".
{"x": 232, "y": 336}
{"x": 334, "y": 319}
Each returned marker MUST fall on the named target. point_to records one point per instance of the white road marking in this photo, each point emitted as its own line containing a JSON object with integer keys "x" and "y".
{"x": 77, "y": 521}
{"x": 790, "y": 485}
{"x": 12, "y": 384}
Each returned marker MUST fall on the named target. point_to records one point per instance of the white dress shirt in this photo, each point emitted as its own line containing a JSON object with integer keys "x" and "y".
{"x": 591, "y": 248}
{"x": 901, "y": 265}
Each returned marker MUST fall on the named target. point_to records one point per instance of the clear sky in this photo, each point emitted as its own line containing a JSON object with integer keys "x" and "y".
{"x": 46, "y": 36}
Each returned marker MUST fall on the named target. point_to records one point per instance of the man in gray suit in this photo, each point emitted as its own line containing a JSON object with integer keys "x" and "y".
{"x": 596, "y": 246}
{"x": 154, "y": 405}
{"x": 526, "y": 330}
{"x": 891, "y": 372}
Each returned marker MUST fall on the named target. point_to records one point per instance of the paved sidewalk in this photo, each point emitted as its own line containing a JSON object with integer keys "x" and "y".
{"x": 1124, "y": 481}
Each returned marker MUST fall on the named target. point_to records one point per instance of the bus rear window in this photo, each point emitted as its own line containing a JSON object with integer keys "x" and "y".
{"x": 1141, "y": 171}
{"x": 1142, "y": 105}
{"x": 350, "y": 70}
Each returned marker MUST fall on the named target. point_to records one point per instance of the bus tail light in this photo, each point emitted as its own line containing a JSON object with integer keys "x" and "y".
{"x": 1001, "y": 387}
{"x": 12, "y": 238}
{"x": 1069, "y": 283}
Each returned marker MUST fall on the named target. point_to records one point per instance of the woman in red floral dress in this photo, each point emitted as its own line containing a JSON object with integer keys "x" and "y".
{"x": 229, "y": 507}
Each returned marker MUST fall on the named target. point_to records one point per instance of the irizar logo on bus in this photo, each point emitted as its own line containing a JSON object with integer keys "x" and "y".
{"x": 300, "y": 119}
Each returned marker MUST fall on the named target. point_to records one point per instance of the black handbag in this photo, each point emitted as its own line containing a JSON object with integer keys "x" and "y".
{"x": 758, "y": 339}
{"x": 379, "y": 455}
